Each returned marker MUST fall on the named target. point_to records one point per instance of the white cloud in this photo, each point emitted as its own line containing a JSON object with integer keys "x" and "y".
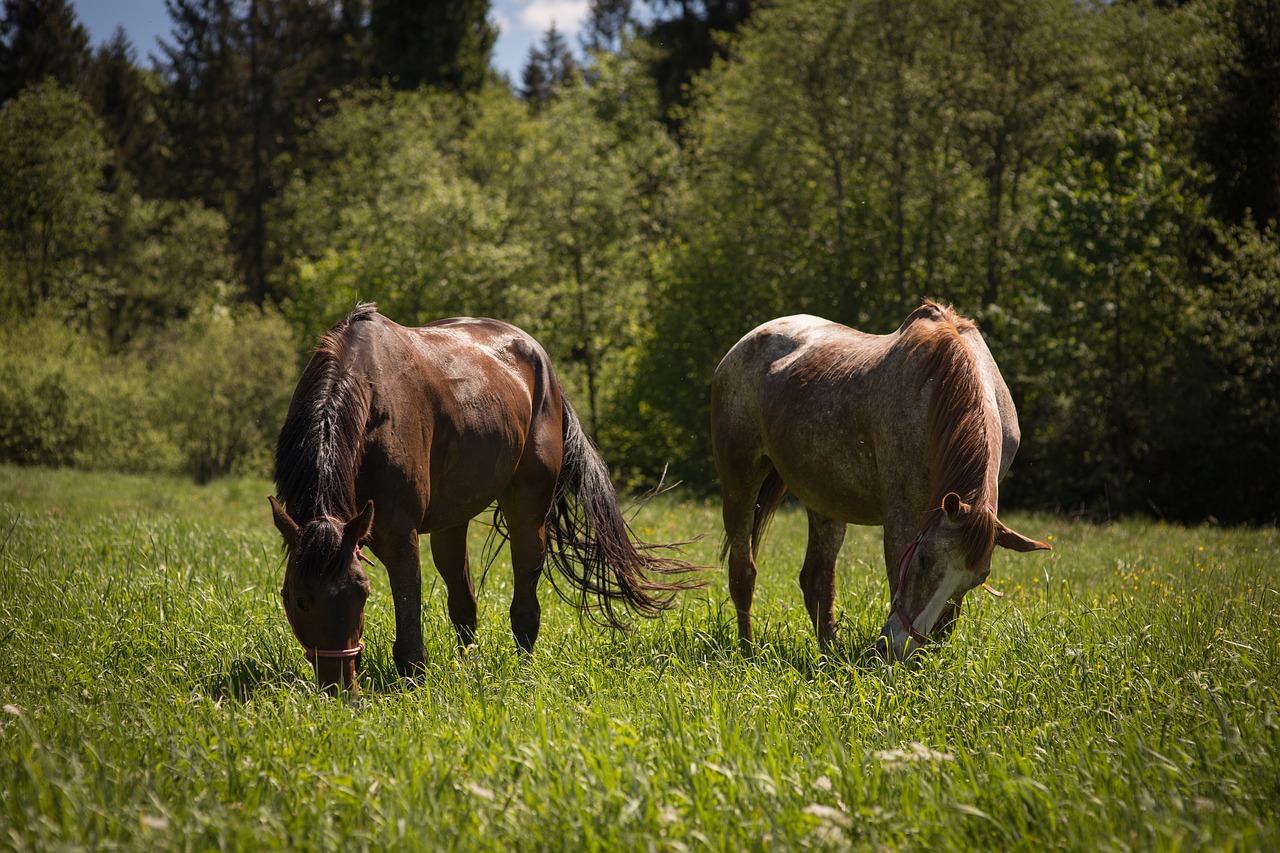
{"x": 567, "y": 15}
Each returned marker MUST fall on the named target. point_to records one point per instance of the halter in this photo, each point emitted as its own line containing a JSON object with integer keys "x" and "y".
{"x": 898, "y": 610}
{"x": 903, "y": 564}
{"x": 338, "y": 654}
{"x": 341, "y": 654}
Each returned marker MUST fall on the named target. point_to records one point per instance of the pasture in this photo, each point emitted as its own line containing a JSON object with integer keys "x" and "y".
{"x": 1123, "y": 695}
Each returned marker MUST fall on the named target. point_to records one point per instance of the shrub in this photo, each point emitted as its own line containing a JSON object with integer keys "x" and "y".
{"x": 65, "y": 402}
{"x": 228, "y": 381}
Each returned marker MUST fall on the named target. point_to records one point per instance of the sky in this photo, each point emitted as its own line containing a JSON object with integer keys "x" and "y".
{"x": 521, "y": 24}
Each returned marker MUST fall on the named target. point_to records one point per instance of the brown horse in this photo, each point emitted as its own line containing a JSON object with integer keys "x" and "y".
{"x": 913, "y": 431}
{"x": 431, "y": 426}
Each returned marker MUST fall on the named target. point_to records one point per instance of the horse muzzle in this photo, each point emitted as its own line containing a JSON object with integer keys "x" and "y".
{"x": 336, "y": 669}
{"x": 898, "y": 638}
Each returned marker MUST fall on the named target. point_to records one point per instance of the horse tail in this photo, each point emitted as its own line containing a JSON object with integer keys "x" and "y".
{"x": 772, "y": 491}
{"x": 592, "y": 546}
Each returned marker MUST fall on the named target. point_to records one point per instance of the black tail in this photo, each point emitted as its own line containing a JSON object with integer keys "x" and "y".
{"x": 591, "y": 545}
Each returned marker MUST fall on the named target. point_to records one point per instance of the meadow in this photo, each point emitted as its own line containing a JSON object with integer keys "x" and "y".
{"x": 1124, "y": 694}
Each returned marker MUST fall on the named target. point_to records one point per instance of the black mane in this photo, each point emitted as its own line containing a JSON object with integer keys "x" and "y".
{"x": 322, "y": 440}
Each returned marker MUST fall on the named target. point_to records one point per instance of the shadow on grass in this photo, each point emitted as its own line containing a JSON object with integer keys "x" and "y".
{"x": 713, "y": 637}
{"x": 240, "y": 680}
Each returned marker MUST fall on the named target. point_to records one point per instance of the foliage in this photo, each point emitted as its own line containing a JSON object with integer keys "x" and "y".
{"x": 1218, "y": 442}
{"x": 549, "y": 67}
{"x": 1078, "y": 177}
{"x": 442, "y": 44}
{"x": 1109, "y": 265}
{"x": 40, "y": 40}
{"x": 64, "y": 402}
{"x": 51, "y": 211}
{"x": 242, "y": 83}
{"x": 228, "y": 383}
{"x": 170, "y": 258}
{"x": 1123, "y": 694}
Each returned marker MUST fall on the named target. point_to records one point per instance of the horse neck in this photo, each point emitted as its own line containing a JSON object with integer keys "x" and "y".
{"x": 322, "y": 441}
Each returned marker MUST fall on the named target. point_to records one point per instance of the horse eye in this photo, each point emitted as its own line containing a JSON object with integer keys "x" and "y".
{"x": 300, "y": 604}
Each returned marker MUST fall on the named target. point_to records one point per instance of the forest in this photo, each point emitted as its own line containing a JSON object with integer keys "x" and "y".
{"x": 1097, "y": 184}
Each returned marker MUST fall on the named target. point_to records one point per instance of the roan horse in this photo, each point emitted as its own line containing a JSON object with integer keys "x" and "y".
{"x": 912, "y": 430}
{"x": 431, "y": 426}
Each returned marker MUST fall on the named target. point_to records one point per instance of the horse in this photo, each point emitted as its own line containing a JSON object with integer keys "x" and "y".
{"x": 431, "y": 426}
{"x": 912, "y": 431}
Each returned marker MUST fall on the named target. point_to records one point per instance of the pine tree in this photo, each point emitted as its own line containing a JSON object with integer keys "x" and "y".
{"x": 608, "y": 24}
{"x": 439, "y": 43}
{"x": 40, "y": 39}
{"x": 550, "y": 66}
{"x": 244, "y": 81}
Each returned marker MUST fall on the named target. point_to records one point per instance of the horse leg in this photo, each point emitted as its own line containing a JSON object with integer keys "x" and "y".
{"x": 818, "y": 576}
{"x": 738, "y": 510}
{"x": 449, "y": 552}
{"x": 404, "y": 572}
{"x": 528, "y": 550}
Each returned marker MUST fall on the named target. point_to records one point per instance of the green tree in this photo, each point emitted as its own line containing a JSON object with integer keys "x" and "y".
{"x": 243, "y": 82}
{"x": 167, "y": 259}
{"x": 402, "y": 216}
{"x": 549, "y": 68}
{"x": 124, "y": 97}
{"x": 1217, "y": 453}
{"x": 52, "y": 208}
{"x": 40, "y": 39}
{"x": 444, "y": 44}
{"x": 1121, "y": 213}
{"x": 226, "y": 382}
{"x": 686, "y": 37}
{"x": 1026, "y": 63}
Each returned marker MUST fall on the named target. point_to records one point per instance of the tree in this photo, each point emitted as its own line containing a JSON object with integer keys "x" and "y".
{"x": 1241, "y": 137}
{"x": 687, "y": 36}
{"x": 243, "y": 82}
{"x": 609, "y": 24}
{"x": 1113, "y": 245}
{"x": 1027, "y": 63}
{"x": 439, "y": 43}
{"x": 40, "y": 39}
{"x": 52, "y": 208}
{"x": 1217, "y": 454}
{"x": 549, "y": 68}
{"x": 123, "y": 96}
{"x": 402, "y": 216}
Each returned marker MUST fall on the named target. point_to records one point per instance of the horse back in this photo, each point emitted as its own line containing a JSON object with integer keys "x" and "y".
{"x": 458, "y": 408}
{"x": 813, "y": 398}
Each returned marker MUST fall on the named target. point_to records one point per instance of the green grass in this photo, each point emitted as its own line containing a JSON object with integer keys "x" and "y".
{"x": 1122, "y": 696}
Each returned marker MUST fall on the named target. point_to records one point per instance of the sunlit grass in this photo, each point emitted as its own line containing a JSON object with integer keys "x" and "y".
{"x": 1122, "y": 695}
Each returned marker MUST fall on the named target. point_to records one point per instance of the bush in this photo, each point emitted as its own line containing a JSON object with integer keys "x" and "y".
{"x": 228, "y": 380}
{"x": 64, "y": 402}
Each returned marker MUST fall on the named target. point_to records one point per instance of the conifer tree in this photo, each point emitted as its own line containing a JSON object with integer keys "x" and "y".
{"x": 40, "y": 39}
{"x": 439, "y": 43}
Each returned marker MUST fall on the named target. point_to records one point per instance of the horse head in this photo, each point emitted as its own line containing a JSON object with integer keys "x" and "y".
{"x": 949, "y": 556}
{"x": 324, "y": 591}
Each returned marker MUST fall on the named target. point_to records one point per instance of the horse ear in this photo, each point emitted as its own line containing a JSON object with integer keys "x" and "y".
{"x": 284, "y": 523}
{"x": 1015, "y": 541}
{"x": 953, "y": 506}
{"x": 357, "y": 529}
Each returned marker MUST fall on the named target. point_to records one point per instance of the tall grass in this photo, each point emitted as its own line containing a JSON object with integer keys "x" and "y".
{"x": 1122, "y": 695}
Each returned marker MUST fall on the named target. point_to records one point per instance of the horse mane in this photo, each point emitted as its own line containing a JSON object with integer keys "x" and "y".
{"x": 322, "y": 440}
{"x": 959, "y": 450}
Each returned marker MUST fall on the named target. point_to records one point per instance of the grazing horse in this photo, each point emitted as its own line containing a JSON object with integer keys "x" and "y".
{"x": 431, "y": 426}
{"x": 912, "y": 430}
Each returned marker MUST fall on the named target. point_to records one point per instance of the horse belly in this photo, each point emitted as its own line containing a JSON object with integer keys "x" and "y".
{"x": 829, "y": 466}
